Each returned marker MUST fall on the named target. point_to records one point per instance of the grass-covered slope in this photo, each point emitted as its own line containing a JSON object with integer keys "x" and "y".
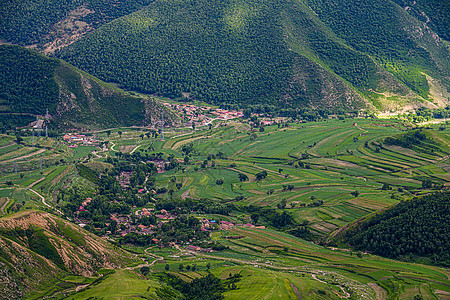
{"x": 419, "y": 227}
{"x": 32, "y": 82}
{"x": 286, "y": 53}
{"x": 36, "y": 248}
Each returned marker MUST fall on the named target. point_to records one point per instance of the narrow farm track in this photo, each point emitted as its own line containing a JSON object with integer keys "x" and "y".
{"x": 45, "y": 203}
{"x": 24, "y": 156}
{"x": 380, "y": 293}
{"x": 132, "y": 151}
{"x": 5, "y": 204}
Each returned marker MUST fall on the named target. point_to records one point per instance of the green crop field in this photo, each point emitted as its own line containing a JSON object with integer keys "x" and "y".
{"x": 326, "y": 175}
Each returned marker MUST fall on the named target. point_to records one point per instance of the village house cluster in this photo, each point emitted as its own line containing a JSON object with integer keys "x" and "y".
{"x": 75, "y": 139}
{"x": 202, "y": 115}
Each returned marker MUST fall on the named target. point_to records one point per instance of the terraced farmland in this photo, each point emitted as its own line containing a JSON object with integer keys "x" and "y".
{"x": 324, "y": 161}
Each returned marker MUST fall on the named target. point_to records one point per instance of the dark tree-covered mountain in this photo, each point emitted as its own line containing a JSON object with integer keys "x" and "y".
{"x": 314, "y": 53}
{"x": 435, "y": 13}
{"x": 53, "y": 23}
{"x": 419, "y": 227}
{"x": 32, "y": 83}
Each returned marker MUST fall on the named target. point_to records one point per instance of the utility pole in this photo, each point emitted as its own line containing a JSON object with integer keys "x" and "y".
{"x": 40, "y": 163}
{"x": 33, "y": 136}
{"x": 15, "y": 167}
{"x": 46, "y": 131}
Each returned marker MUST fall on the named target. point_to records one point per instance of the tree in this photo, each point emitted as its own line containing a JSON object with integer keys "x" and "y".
{"x": 282, "y": 204}
{"x": 355, "y": 193}
{"x": 219, "y": 181}
{"x": 19, "y": 139}
{"x": 242, "y": 177}
{"x": 427, "y": 184}
{"x": 385, "y": 187}
{"x": 186, "y": 160}
{"x": 208, "y": 265}
{"x": 145, "y": 270}
{"x": 108, "y": 133}
{"x": 261, "y": 175}
{"x": 255, "y": 218}
{"x": 167, "y": 267}
{"x": 180, "y": 267}
{"x": 120, "y": 133}
{"x": 280, "y": 170}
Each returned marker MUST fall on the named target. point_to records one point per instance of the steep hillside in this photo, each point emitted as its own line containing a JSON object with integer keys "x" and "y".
{"x": 38, "y": 247}
{"x": 398, "y": 42}
{"x": 52, "y": 24}
{"x": 418, "y": 227}
{"x": 434, "y": 13}
{"x": 31, "y": 83}
{"x": 309, "y": 52}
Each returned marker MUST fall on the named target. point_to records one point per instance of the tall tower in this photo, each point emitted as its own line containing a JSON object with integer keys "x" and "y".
{"x": 33, "y": 136}
{"x": 162, "y": 126}
{"x": 40, "y": 163}
{"x": 46, "y": 131}
{"x": 15, "y": 167}
{"x": 47, "y": 116}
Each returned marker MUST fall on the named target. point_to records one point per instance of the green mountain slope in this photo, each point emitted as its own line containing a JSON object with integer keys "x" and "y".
{"x": 400, "y": 43}
{"x": 37, "y": 248}
{"x": 288, "y": 54}
{"x": 31, "y": 83}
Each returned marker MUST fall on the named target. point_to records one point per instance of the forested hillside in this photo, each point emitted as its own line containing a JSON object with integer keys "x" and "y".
{"x": 31, "y": 83}
{"x": 401, "y": 44}
{"x": 419, "y": 227}
{"x": 432, "y": 12}
{"x": 312, "y": 52}
{"x": 32, "y": 22}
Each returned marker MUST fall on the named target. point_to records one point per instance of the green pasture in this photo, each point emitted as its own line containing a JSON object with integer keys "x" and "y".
{"x": 120, "y": 284}
{"x": 82, "y": 151}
